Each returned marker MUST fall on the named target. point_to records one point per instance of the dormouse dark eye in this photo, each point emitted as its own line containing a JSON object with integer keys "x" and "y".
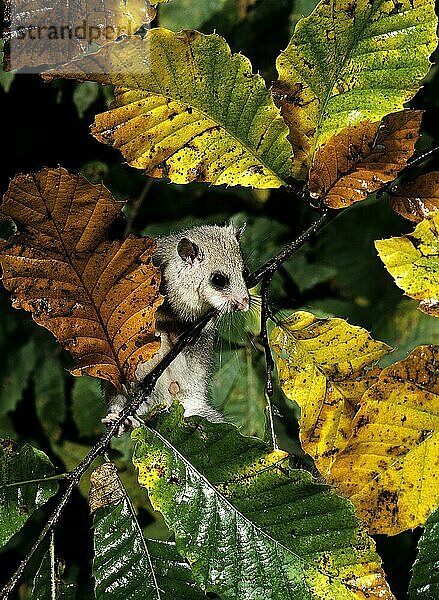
{"x": 219, "y": 280}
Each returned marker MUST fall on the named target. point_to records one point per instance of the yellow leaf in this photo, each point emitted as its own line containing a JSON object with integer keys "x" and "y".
{"x": 413, "y": 261}
{"x": 97, "y": 296}
{"x": 349, "y": 62}
{"x": 389, "y": 467}
{"x": 325, "y": 366}
{"x": 188, "y": 109}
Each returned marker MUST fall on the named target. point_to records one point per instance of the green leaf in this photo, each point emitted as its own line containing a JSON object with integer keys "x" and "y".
{"x": 185, "y": 14}
{"x": 424, "y": 584}
{"x": 354, "y": 255}
{"x": 238, "y": 390}
{"x": 250, "y": 526}
{"x": 88, "y": 406}
{"x": 84, "y": 95}
{"x": 126, "y": 565}
{"x": 307, "y": 271}
{"x": 188, "y": 109}
{"x": 350, "y": 62}
{"x": 49, "y": 397}
{"x": 193, "y": 14}
{"x": 22, "y": 486}
{"x": 71, "y": 454}
{"x": 404, "y": 328}
{"x": 6, "y": 77}
{"x": 48, "y": 584}
{"x": 18, "y": 366}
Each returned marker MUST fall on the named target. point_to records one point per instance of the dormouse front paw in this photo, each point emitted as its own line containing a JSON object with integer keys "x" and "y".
{"x": 129, "y": 424}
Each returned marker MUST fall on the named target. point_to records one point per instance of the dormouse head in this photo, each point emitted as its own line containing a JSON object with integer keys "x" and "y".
{"x": 203, "y": 268}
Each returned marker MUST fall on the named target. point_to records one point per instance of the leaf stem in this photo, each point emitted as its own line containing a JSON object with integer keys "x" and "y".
{"x": 30, "y": 481}
{"x": 269, "y": 363}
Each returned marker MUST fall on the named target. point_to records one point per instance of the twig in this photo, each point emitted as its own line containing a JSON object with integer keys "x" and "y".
{"x": 131, "y": 217}
{"x": 269, "y": 363}
{"x": 74, "y": 477}
{"x": 276, "y": 261}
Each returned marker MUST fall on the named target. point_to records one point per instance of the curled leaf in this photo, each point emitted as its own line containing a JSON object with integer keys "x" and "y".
{"x": 413, "y": 262}
{"x": 188, "y": 109}
{"x": 349, "y": 62}
{"x": 325, "y": 366}
{"x": 98, "y": 297}
{"x": 416, "y": 200}
{"x": 389, "y": 467}
{"x": 105, "y": 487}
{"x": 360, "y": 159}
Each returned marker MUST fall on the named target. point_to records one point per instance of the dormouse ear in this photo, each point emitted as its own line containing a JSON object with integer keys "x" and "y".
{"x": 240, "y": 231}
{"x": 188, "y": 251}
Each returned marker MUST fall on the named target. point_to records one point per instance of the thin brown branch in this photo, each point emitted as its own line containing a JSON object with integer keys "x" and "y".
{"x": 136, "y": 206}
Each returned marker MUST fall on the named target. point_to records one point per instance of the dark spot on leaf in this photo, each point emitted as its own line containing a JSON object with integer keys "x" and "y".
{"x": 389, "y": 501}
{"x": 350, "y": 10}
{"x": 396, "y": 8}
{"x": 425, "y": 433}
{"x": 164, "y": 168}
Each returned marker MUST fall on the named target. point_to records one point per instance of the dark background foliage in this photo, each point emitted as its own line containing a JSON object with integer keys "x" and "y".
{"x": 339, "y": 274}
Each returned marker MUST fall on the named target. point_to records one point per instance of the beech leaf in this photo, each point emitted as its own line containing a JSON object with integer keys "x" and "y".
{"x": 325, "y": 366}
{"x": 126, "y": 564}
{"x": 48, "y": 584}
{"x": 424, "y": 584}
{"x": 360, "y": 159}
{"x": 98, "y": 297}
{"x": 238, "y": 390}
{"x": 416, "y": 200}
{"x": 349, "y": 62}
{"x": 413, "y": 262}
{"x": 188, "y": 109}
{"x": 389, "y": 467}
{"x": 23, "y": 488}
{"x": 43, "y": 32}
{"x": 249, "y": 525}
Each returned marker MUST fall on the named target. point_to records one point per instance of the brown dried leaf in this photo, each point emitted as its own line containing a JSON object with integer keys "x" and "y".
{"x": 43, "y": 32}
{"x": 98, "y": 297}
{"x": 360, "y": 159}
{"x": 105, "y": 487}
{"x": 416, "y": 200}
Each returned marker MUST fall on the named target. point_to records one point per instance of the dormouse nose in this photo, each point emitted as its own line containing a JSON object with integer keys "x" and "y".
{"x": 241, "y": 304}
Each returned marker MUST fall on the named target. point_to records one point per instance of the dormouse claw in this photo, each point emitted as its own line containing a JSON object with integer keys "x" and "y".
{"x": 129, "y": 423}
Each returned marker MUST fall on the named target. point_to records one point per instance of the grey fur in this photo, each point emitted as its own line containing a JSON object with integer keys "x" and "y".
{"x": 188, "y": 295}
